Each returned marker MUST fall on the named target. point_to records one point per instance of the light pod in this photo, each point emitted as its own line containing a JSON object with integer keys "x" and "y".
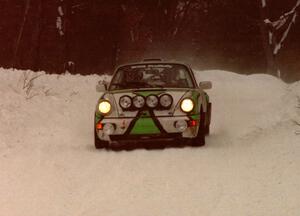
{"x": 152, "y": 101}
{"x": 138, "y": 102}
{"x": 181, "y": 125}
{"x": 125, "y": 102}
{"x": 166, "y": 101}
{"x": 108, "y": 129}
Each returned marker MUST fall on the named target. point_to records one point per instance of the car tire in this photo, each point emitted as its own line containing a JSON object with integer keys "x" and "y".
{"x": 207, "y": 130}
{"x": 99, "y": 144}
{"x": 154, "y": 145}
{"x": 199, "y": 140}
{"x": 208, "y": 120}
{"x": 130, "y": 146}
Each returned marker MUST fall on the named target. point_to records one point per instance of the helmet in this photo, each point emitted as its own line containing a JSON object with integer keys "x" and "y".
{"x": 134, "y": 75}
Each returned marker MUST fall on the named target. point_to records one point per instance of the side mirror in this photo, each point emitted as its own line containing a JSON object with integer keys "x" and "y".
{"x": 101, "y": 87}
{"x": 205, "y": 85}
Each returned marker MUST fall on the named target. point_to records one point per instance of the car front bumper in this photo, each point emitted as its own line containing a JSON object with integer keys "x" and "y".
{"x": 166, "y": 131}
{"x": 146, "y": 138}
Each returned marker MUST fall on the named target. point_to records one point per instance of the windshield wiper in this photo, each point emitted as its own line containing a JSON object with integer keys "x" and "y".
{"x": 118, "y": 85}
{"x": 136, "y": 85}
{"x": 139, "y": 85}
{"x": 157, "y": 86}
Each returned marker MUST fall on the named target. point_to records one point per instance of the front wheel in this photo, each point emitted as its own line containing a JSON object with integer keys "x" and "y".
{"x": 208, "y": 120}
{"x": 199, "y": 140}
{"x": 99, "y": 144}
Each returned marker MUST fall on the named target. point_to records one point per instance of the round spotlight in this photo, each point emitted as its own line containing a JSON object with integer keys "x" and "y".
{"x": 166, "y": 101}
{"x": 108, "y": 129}
{"x": 152, "y": 101}
{"x": 187, "y": 105}
{"x": 125, "y": 102}
{"x": 138, "y": 101}
{"x": 104, "y": 107}
{"x": 181, "y": 125}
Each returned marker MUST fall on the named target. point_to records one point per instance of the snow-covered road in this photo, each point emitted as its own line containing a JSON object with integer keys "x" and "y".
{"x": 48, "y": 165}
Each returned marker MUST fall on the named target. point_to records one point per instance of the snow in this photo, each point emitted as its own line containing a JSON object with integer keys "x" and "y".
{"x": 48, "y": 165}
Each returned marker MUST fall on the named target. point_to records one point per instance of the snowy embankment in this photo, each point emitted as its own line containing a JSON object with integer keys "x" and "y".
{"x": 48, "y": 165}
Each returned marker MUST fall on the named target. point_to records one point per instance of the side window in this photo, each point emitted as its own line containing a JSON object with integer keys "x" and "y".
{"x": 184, "y": 77}
{"x": 115, "y": 80}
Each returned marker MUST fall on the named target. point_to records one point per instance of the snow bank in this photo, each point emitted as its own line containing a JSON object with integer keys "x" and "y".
{"x": 50, "y": 105}
{"x": 248, "y": 103}
{"x": 48, "y": 165}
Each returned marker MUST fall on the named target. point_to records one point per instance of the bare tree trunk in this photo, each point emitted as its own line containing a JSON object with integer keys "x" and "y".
{"x": 67, "y": 26}
{"x": 39, "y": 31}
{"x": 267, "y": 44}
{"x": 184, "y": 18}
{"x": 269, "y": 30}
{"x": 19, "y": 38}
{"x": 116, "y": 40}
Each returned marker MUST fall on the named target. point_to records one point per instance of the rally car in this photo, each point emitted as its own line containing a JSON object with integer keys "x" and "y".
{"x": 152, "y": 102}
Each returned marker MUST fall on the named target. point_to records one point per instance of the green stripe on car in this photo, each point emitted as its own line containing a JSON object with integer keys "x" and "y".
{"x": 145, "y": 126}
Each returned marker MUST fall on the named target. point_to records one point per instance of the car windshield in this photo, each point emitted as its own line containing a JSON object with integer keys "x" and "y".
{"x": 152, "y": 76}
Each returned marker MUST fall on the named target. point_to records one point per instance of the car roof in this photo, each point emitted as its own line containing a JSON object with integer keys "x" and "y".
{"x": 153, "y": 61}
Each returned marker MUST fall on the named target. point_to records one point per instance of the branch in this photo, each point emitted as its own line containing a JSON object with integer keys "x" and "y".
{"x": 79, "y": 6}
{"x": 274, "y": 26}
{"x": 20, "y": 34}
{"x": 287, "y": 14}
{"x": 298, "y": 99}
{"x": 32, "y": 96}
{"x": 277, "y": 24}
{"x": 285, "y": 34}
{"x": 296, "y": 122}
{"x": 182, "y": 16}
{"x": 28, "y": 82}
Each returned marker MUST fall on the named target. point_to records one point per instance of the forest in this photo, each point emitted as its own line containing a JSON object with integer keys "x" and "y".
{"x": 94, "y": 36}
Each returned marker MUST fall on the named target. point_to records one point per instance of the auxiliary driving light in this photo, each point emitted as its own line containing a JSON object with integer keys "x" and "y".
{"x": 125, "y": 102}
{"x": 181, "y": 125}
{"x": 152, "y": 101}
{"x": 138, "y": 101}
{"x": 187, "y": 105}
{"x": 108, "y": 129}
{"x": 166, "y": 101}
{"x": 104, "y": 107}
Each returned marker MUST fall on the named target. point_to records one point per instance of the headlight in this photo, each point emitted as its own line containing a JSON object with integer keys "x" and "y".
{"x": 125, "y": 102}
{"x": 104, "y": 107}
{"x": 187, "y": 105}
{"x": 152, "y": 101}
{"x": 166, "y": 100}
{"x": 138, "y": 101}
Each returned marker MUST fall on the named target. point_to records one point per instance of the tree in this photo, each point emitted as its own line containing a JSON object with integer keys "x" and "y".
{"x": 63, "y": 24}
{"x": 20, "y": 34}
{"x": 275, "y": 32}
{"x": 38, "y": 36}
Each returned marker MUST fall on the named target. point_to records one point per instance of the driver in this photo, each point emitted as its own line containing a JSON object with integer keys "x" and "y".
{"x": 169, "y": 76}
{"x": 134, "y": 75}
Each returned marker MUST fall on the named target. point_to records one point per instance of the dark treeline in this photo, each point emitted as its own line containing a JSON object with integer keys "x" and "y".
{"x": 93, "y": 36}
